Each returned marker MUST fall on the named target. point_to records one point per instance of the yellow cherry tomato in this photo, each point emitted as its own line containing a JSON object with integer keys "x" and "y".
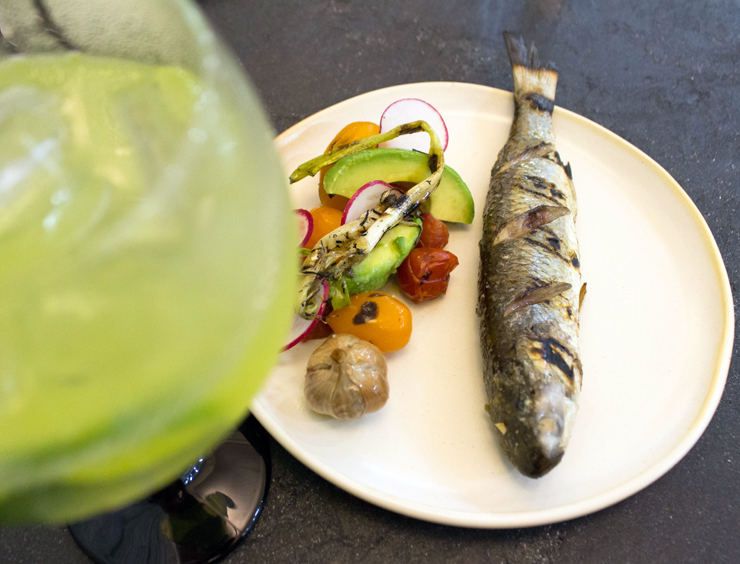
{"x": 352, "y": 132}
{"x": 335, "y": 200}
{"x": 375, "y": 317}
{"x": 325, "y": 220}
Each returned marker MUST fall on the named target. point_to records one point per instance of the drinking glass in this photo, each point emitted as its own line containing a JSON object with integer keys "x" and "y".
{"x": 147, "y": 250}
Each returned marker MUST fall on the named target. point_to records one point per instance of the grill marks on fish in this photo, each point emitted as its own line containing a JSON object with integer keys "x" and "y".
{"x": 546, "y": 188}
{"x": 529, "y": 280}
{"x": 537, "y": 193}
{"x": 539, "y": 102}
{"x": 549, "y": 248}
{"x": 555, "y": 157}
{"x": 556, "y": 354}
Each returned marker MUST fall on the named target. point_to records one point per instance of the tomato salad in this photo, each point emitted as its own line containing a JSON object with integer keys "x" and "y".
{"x": 413, "y": 250}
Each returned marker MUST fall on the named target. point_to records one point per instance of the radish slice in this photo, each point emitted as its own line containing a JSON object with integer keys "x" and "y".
{"x": 413, "y": 109}
{"x": 302, "y": 327}
{"x": 305, "y": 226}
{"x": 366, "y": 198}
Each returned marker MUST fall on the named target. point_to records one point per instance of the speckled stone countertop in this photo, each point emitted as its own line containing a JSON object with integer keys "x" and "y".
{"x": 664, "y": 76}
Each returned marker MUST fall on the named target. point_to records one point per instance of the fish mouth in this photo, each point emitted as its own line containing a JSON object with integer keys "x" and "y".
{"x": 525, "y": 451}
{"x": 540, "y": 465}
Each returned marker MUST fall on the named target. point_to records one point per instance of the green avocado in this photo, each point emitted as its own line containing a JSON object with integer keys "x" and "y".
{"x": 373, "y": 272}
{"x": 451, "y": 201}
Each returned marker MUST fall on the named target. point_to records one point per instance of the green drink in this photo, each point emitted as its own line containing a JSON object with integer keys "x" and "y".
{"x": 146, "y": 247}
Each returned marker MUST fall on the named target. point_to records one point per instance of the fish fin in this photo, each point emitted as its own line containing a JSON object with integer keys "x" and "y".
{"x": 529, "y": 76}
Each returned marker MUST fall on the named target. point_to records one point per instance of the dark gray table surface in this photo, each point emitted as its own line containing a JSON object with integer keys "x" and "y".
{"x": 664, "y": 76}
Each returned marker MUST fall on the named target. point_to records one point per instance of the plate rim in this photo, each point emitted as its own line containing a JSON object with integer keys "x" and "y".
{"x": 572, "y": 510}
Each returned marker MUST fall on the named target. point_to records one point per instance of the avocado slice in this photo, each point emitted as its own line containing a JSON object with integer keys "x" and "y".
{"x": 373, "y": 272}
{"x": 451, "y": 201}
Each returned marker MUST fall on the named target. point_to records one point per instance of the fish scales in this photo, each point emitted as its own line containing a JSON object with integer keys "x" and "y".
{"x": 530, "y": 280}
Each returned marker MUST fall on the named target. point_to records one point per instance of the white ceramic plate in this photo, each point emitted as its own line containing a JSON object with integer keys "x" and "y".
{"x": 656, "y": 337}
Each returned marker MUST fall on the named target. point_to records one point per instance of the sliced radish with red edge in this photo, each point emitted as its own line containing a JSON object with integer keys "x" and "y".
{"x": 366, "y": 198}
{"x": 302, "y": 327}
{"x": 305, "y": 226}
{"x": 408, "y": 110}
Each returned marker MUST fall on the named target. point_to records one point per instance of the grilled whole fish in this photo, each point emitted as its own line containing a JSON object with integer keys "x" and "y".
{"x": 530, "y": 280}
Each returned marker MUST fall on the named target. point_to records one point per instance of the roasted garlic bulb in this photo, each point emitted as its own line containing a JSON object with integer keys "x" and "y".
{"x": 346, "y": 378}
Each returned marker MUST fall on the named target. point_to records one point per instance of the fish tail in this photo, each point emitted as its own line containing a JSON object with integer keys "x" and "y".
{"x": 529, "y": 76}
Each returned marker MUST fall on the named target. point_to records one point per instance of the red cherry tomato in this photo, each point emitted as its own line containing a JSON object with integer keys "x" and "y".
{"x": 425, "y": 273}
{"x": 434, "y": 233}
